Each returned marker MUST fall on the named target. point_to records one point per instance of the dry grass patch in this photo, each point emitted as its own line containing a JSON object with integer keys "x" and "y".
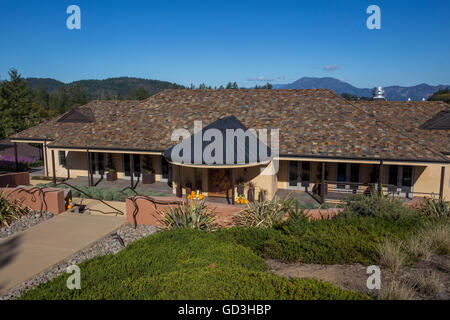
{"x": 428, "y": 284}
{"x": 390, "y": 255}
{"x": 398, "y": 290}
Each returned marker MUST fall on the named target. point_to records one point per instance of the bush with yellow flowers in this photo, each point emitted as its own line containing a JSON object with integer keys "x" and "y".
{"x": 196, "y": 196}
{"x": 241, "y": 200}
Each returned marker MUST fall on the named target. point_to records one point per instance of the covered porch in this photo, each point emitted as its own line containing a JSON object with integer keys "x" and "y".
{"x": 333, "y": 181}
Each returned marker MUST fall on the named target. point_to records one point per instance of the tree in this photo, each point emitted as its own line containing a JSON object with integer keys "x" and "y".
{"x": 17, "y": 110}
{"x": 138, "y": 94}
{"x": 441, "y": 95}
{"x": 41, "y": 97}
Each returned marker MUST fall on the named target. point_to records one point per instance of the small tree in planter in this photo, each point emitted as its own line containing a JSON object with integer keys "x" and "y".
{"x": 111, "y": 172}
{"x": 251, "y": 192}
{"x": 148, "y": 174}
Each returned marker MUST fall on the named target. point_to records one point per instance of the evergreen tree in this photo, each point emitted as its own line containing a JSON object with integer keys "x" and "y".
{"x": 138, "y": 94}
{"x": 17, "y": 111}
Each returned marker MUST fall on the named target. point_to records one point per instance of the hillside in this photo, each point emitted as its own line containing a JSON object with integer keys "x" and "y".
{"x": 98, "y": 89}
{"x": 391, "y": 93}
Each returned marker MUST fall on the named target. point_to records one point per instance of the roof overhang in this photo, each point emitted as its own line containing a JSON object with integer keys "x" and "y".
{"x": 418, "y": 162}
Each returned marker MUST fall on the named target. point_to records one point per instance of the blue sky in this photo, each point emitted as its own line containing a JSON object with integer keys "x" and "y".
{"x": 218, "y": 41}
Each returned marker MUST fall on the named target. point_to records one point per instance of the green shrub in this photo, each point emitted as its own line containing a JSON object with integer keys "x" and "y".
{"x": 376, "y": 205}
{"x": 189, "y": 214}
{"x": 118, "y": 196}
{"x": 75, "y": 193}
{"x": 329, "y": 241}
{"x": 107, "y": 195}
{"x": 184, "y": 264}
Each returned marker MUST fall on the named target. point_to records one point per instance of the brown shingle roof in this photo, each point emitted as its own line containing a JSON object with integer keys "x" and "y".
{"x": 408, "y": 118}
{"x": 316, "y": 123}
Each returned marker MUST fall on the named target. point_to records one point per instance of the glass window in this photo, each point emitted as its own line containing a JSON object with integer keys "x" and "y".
{"x": 306, "y": 171}
{"x": 407, "y": 176}
{"x": 293, "y": 173}
{"x": 393, "y": 175}
{"x": 354, "y": 172}
{"x": 62, "y": 158}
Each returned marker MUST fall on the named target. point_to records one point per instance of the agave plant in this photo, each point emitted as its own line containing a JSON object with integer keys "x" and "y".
{"x": 435, "y": 208}
{"x": 193, "y": 214}
{"x": 265, "y": 213}
{"x": 10, "y": 210}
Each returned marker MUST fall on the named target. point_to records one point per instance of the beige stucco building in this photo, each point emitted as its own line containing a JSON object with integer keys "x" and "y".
{"x": 328, "y": 146}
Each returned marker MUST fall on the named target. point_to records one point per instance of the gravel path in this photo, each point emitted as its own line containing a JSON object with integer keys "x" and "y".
{"x": 25, "y": 222}
{"x": 111, "y": 244}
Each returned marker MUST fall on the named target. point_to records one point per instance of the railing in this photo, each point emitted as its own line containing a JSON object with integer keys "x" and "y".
{"x": 338, "y": 190}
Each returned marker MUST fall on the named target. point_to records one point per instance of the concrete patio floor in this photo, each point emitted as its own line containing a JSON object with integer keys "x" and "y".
{"x": 157, "y": 187}
{"x": 38, "y": 248}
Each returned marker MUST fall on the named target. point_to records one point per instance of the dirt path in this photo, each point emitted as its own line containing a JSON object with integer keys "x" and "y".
{"x": 354, "y": 277}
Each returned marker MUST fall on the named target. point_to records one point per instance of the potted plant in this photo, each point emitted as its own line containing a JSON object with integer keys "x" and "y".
{"x": 148, "y": 174}
{"x": 111, "y": 172}
{"x": 251, "y": 192}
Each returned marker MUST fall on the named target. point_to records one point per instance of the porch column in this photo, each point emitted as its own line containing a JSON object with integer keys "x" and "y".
{"x": 132, "y": 170}
{"x": 179, "y": 190}
{"x": 16, "y": 160}
{"x": 45, "y": 158}
{"x": 441, "y": 187}
{"x": 381, "y": 176}
{"x": 322, "y": 183}
{"x": 89, "y": 167}
{"x": 53, "y": 167}
{"x": 232, "y": 186}
{"x": 67, "y": 165}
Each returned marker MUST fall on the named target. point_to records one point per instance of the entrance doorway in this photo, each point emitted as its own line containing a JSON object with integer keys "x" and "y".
{"x": 98, "y": 164}
{"x": 136, "y": 165}
{"x": 219, "y": 182}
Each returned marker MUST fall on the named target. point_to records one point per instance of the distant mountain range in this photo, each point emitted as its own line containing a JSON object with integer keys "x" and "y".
{"x": 98, "y": 89}
{"x": 398, "y": 93}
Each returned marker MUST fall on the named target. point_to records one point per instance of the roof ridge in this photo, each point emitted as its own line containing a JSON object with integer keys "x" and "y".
{"x": 391, "y": 127}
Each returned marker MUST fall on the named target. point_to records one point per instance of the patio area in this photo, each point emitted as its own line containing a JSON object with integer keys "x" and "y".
{"x": 156, "y": 187}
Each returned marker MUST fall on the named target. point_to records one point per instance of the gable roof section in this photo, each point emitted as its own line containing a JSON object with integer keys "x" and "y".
{"x": 441, "y": 121}
{"x": 77, "y": 115}
{"x": 312, "y": 123}
{"x": 247, "y": 150}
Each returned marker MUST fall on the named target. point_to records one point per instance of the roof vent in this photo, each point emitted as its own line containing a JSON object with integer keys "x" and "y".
{"x": 378, "y": 94}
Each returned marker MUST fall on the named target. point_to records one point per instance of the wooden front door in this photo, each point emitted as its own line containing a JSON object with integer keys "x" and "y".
{"x": 219, "y": 182}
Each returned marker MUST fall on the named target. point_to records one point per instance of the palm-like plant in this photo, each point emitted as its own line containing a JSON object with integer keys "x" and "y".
{"x": 192, "y": 214}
